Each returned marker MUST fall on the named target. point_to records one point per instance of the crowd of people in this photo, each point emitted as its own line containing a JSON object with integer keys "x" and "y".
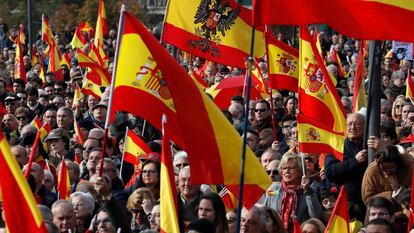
{"x": 305, "y": 186}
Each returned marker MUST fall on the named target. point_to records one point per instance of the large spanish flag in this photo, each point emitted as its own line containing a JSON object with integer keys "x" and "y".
{"x": 168, "y": 192}
{"x": 218, "y": 31}
{"x": 321, "y": 117}
{"x": 140, "y": 87}
{"x": 63, "y": 186}
{"x": 135, "y": 148}
{"x": 339, "y": 220}
{"x": 19, "y": 205}
{"x": 358, "y": 18}
{"x": 283, "y": 62}
{"x": 205, "y": 131}
{"x": 359, "y": 99}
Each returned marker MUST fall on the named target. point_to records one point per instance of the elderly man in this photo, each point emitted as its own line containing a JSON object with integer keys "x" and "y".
{"x": 65, "y": 118}
{"x": 64, "y": 216}
{"x": 188, "y": 198}
{"x": 20, "y": 153}
{"x": 49, "y": 116}
{"x": 398, "y": 83}
{"x": 350, "y": 171}
{"x": 253, "y": 220}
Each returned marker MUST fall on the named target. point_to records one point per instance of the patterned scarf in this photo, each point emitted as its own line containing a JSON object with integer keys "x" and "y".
{"x": 289, "y": 203}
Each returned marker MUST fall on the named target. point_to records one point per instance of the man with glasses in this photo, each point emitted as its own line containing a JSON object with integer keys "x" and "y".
{"x": 350, "y": 171}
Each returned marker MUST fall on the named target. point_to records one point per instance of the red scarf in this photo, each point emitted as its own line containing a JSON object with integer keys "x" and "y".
{"x": 289, "y": 203}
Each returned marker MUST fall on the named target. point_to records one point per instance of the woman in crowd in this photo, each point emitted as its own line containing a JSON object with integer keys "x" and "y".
{"x": 293, "y": 194}
{"x": 211, "y": 207}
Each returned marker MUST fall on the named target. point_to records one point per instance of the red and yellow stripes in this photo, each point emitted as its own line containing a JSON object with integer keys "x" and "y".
{"x": 100, "y": 31}
{"x": 339, "y": 220}
{"x": 322, "y": 126}
{"x": 17, "y": 195}
{"x": 283, "y": 62}
{"x": 63, "y": 187}
{"x": 410, "y": 88}
{"x": 85, "y": 61}
{"x": 135, "y": 148}
{"x": 181, "y": 30}
{"x": 211, "y": 157}
{"x": 19, "y": 70}
{"x": 359, "y": 18}
{"x": 359, "y": 99}
{"x": 168, "y": 192}
{"x": 54, "y": 61}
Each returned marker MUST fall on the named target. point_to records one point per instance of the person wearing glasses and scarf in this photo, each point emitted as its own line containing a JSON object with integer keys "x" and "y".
{"x": 293, "y": 196}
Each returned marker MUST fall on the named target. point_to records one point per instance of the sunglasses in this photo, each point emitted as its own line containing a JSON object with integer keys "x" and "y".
{"x": 260, "y": 110}
{"x": 20, "y": 118}
{"x": 273, "y": 172}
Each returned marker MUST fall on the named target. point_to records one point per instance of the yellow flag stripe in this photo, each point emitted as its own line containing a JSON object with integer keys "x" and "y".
{"x": 404, "y": 4}
{"x": 21, "y": 182}
{"x": 169, "y": 219}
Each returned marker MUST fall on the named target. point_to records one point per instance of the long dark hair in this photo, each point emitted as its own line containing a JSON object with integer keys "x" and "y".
{"x": 220, "y": 221}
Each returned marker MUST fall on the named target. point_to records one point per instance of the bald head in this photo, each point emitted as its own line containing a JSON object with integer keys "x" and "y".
{"x": 20, "y": 153}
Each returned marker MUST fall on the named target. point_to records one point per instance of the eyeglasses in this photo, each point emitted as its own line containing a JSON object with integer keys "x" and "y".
{"x": 272, "y": 172}
{"x": 181, "y": 165}
{"x": 149, "y": 171}
{"x": 399, "y": 106}
{"x": 21, "y": 118}
{"x": 9, "y": 103}
{"x": 260, "y": 110}
{"x": 135, "y": 211}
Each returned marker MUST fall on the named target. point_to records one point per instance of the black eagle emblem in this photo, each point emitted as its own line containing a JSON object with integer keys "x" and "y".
{"x": 216, "y": 17}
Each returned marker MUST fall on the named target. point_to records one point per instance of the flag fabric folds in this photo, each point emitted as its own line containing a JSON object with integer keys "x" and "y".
{"x": 77, "y": 96}
{"x": 339, "y": 220}
{"x": 19, "y": 205}
{"x": 211, "y": 158}
{"x": 168, "y": 192}
{"x": 91, "y": 88}
{"x": 283, "y": 62}
{"x": 218, "y": 31}
{"x": 54, "y": 61}
{"x": 321, "y": 128}
{"x": 359, "y": 18}
{"x": 78, "y": 39}
{"x": 409, "y": 92}
{"x": 103, "y": 78}
{"x": 47, "y": 34}
{"x": 63, "y": 186}
{"x": 19, "y": 70}
{"x": 135, "y": 148}
{"x": 359, "y": 99}
{"x": 78, "y": 135}
{"x": 100, "y": 31}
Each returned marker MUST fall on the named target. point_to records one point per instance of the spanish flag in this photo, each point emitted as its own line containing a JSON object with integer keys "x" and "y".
{"x": 230, "y": 201}
{"x": 44, "y": 130}
{"x": 100, "y": 32}
{"x": 168, "y": 192}
{"x": 47, "y": 34}
{"x": 77, "y": 96}
{"x": 19, "y": 204}
{"x": 409, "y": 93}
{"x": 356, "y": 18}
{"x": 135, "y": 148}
{"x": 104, "y": 78}
{"x": 89, "y": 87}
{"x": 63, "y": 187}
{"x": 359, "y": 98}
{"x": 78, "y": 135}
{"x": 218, "y": 31}
{"x": 19, "y": 70}
{"x": 54, "y": 61}
{"x": 65, "y": 60}
{"x": 339, "y": 220}
{"x": 335, "y": 58}
{"x": 78, "y": 39}
{"x": 213, "y": 161}
{"x": 322, "y": 126}
{"x": 283, "y": 62}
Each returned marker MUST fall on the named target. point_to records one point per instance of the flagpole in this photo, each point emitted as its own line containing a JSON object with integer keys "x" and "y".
{"x": 32, "y": 154}
{"x": 250, "y": 62}
{"x": 372, "y": 124}
{"x": 123, "y": 153}
{"x": 29, "y": 27}
{"x": 108, "y": 113}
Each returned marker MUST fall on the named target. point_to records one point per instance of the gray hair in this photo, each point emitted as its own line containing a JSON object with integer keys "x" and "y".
{"x": 290, "y": 156}
{"x": 46, "y": 212}
{"x": 86, "y": 197}
{"x": 64, "y": 203}
{"x": 263, "y": 217}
